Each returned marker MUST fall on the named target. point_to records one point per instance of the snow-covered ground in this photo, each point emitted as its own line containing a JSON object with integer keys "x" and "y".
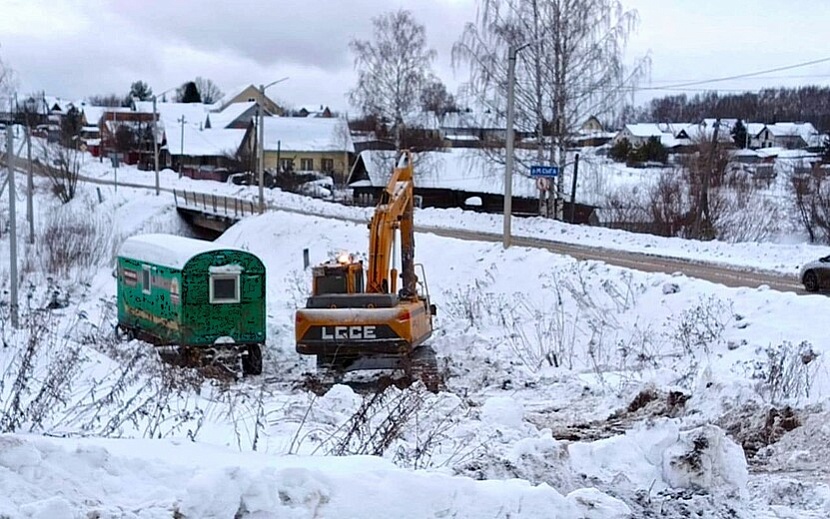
{"x": 574, "y": 389}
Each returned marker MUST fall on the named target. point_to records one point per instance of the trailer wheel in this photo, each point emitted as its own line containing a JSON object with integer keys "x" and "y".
{"x": 252, "y": 360}
{"x": 123, "y": 333}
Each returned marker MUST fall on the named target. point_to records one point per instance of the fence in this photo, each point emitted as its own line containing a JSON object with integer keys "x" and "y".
{"x": 214, "y": 204}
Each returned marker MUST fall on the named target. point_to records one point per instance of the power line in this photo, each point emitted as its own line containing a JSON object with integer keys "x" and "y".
{"x": 741, "y": 76}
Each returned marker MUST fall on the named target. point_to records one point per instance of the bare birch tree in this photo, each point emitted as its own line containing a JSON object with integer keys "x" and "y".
{"x": 392, "y": 69}
{"x": 209, "y": 91}
{"x": 8, "y": 83}
{"x": 571, "y": 66}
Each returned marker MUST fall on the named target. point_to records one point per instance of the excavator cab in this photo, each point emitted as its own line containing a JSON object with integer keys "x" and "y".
{"x": 341, "y": 276}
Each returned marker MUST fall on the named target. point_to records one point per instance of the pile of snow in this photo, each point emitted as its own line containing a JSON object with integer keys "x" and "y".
{"x": 47, "y": 478}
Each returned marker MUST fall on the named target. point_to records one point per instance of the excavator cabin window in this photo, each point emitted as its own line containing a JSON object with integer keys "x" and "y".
{"x": 336, "y": 281}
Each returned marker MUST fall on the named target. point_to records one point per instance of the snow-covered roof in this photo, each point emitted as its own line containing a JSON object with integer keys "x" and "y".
{"x": 804, "y": 130}
{"x": 207, "y": 142}
{"x": 645, "y": 130}
{"x": 472, "y": 120}
{"x": 454, "y": 120}
{"x": 424, "y": 120}
{"x": 303, "y": 134}
{"x": 57, "y": 102}
{"x": 166, "y": 250}
{"x": 93, "y": 114}
{"x": 454, "y": 168}
{"x": 232, "y": 112}
{"x": 194, "y": 113}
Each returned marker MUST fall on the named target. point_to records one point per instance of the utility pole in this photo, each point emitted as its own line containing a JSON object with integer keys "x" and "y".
{"x": 181, "y": 157}
{"x": 508, "y": 164}
{"x": 156, "y": 145}
{"x": 30, "y": 186}
{"x": 260, "y": 166}
{"x": 573, "y": 189}
{"x": 12, "y": 226}
{"x": 261, "y": 138}
{"x": 703, "y": 199}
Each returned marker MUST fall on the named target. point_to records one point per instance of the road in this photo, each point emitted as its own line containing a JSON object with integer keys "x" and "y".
{"x": 716, "y": 273}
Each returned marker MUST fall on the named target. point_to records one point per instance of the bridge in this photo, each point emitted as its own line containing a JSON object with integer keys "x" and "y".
{"x": 211, "y": 214}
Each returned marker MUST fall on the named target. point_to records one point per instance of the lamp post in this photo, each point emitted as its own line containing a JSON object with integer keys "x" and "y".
{"x": 260, "y": 165}
{"x": 508, "y": 163}
{"x": 181, "y": 156}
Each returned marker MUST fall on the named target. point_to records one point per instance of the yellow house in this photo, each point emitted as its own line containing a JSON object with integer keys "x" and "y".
{"x": 249, "y": 94}
{"x": 316, "y": 144}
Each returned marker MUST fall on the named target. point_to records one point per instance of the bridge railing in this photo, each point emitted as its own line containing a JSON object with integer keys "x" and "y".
{"x": 214, "y": 204}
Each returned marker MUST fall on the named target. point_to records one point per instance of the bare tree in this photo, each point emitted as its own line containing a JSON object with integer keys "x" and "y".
{"x": 812, "y": 200}
{"x": 8, "y": 81}
{"x": 571, "y": 66}
{"x": 435, "y": 98}
{"x": 31, "y": 109}
{"x": 111, "y": 100}
{"x": 62, "y": 166}
{"x": 392, "y": 69}
{"x": 125, "y": 139}
{"x": 209, "y": 91}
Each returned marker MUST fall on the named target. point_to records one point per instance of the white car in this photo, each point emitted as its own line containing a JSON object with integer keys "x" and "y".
{"x": 816, "y": 274}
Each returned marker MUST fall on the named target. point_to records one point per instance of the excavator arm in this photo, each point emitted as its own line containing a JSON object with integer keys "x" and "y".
{"x": 394, "y": 213}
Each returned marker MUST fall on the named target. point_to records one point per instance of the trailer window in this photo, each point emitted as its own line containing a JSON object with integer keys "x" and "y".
{"x": 224, "y": 288}
{"x": 145, "y": 279}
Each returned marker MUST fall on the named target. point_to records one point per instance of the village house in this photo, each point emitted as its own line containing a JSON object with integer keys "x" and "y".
{"x": 639, "y": 134}
{"x": 453, "y": 178}
{"x": 316, "y": 144}
{"x": 210, "y": 153}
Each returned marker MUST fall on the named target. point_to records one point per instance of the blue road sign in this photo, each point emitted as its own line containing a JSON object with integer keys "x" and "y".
{"x": 544, "y": 171}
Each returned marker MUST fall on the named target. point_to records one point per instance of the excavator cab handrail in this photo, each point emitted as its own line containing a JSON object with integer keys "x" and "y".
{"x": 422, "y": 279}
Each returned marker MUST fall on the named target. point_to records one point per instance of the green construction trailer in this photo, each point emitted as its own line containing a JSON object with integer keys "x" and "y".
{"x": 204, "y": 298}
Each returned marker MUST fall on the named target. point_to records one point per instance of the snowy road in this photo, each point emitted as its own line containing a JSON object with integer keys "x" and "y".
{"x": 730, "y": 277}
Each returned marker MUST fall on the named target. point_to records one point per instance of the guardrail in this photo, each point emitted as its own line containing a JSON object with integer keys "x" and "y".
{"x": 214, "y": 204}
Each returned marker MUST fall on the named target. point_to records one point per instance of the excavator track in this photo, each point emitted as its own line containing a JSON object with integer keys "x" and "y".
{"x": 402, "y": 372}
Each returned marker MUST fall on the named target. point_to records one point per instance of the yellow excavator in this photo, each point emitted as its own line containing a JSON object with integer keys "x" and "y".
{"x": 352, "y": 324}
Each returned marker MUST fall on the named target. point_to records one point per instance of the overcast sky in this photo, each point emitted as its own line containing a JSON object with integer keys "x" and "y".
{"x": 75, "y": 48}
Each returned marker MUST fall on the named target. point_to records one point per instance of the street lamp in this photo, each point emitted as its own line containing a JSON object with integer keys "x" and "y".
{"x": 508, "y": 163}
{"x": 261, "y": 134}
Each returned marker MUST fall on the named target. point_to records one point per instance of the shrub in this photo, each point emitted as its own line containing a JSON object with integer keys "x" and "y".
{"x": 651, "y": 151}
{"x": 620, "y": 150}
{"x": 73, "y": 241}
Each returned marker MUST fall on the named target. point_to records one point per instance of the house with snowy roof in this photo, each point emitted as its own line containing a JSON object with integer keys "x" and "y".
{"x": 794, "y": 135}
{"x": 639, "y": 134}
{"x": 318, "y": 144}
{"x": 453, "y": 178}
{"x": 200, "y": 152}
{"x": 467, "y": 128}
{"x": 309, "y": 111}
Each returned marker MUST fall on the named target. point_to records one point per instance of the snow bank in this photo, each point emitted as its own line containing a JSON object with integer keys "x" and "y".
{"x": 701, "y": 458}
{"x": 51, "y": 478}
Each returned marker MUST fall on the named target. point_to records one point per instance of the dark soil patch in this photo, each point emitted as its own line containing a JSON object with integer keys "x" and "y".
{"x": 755, "y": 427}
